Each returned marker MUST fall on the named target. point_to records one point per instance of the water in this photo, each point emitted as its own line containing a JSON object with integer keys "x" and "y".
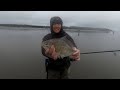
{"x": 21, "y": 58}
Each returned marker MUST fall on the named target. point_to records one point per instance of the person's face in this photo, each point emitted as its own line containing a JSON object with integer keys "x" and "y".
{"x": 56, "y": 28}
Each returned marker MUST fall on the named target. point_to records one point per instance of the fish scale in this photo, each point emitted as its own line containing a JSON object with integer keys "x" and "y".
{"x": 62, "y": 48}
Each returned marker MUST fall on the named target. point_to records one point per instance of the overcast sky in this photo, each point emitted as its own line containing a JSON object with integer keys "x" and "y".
{"x": 105, "y": 19}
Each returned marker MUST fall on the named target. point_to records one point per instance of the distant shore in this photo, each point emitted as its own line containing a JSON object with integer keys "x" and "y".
{"x": 65, "y": 27}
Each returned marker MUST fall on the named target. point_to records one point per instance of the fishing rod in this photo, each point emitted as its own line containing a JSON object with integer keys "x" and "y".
{"x": 100, "y": 52}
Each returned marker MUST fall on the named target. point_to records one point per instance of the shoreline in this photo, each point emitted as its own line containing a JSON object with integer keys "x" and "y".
{"x": 64, "y": 27}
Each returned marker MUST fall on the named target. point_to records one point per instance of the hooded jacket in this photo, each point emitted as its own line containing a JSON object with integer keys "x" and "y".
{"x": 58, "y": 64}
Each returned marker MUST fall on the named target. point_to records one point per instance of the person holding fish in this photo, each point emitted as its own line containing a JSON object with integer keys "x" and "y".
{"x": 60, "y": 49}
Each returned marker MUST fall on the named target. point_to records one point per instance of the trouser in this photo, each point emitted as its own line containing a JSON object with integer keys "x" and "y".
{"x": 56, "y": 74}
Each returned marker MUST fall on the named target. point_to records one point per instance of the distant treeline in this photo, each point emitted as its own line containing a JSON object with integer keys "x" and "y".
{"x": 22, "y": 25}
{"x": 65, "y": 27}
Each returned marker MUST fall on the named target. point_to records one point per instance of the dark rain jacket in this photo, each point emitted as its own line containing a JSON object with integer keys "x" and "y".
{"x": 58, "y": 64}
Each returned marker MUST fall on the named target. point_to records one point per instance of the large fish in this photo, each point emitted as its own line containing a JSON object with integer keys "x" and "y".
{"x": 63, "y": 46}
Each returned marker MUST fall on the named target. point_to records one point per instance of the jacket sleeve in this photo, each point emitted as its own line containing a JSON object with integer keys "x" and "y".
{"x": 69, "y": 38}
{"x": 47, "y": 37}
{"x": 42, "y": 49}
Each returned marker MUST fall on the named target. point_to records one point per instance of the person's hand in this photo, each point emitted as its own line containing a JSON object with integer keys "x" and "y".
{"x": 50, "y": 52}
{"x": 76, "y": 54}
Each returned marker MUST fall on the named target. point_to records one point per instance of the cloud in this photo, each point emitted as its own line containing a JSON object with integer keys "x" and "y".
{"x": 108, "y": 19}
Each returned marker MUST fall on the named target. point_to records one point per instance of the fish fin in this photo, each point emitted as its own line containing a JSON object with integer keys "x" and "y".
{"x": 59, "y": 56}
{"x": 62, "y": 56}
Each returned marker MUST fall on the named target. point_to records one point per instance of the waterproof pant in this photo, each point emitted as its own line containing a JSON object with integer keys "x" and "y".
{"x": 54, "y": 74}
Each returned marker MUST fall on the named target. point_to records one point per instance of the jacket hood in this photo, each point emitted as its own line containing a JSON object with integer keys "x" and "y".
{"x": 56, "y": 20}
